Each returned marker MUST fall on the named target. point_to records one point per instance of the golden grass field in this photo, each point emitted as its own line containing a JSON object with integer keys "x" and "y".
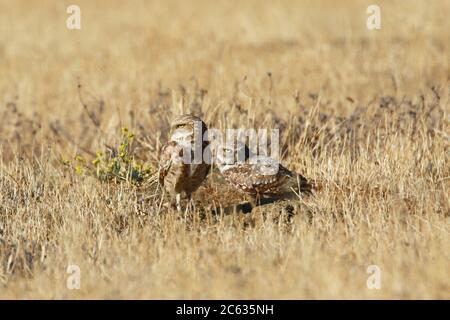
{"x": 363, "y": 113}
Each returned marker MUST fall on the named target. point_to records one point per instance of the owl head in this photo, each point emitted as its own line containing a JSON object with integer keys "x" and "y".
{"x": 231, "y": 154}
{"x": 183, "y": 128}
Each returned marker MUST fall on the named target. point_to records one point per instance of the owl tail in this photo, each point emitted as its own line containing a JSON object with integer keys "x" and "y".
{"x": 300, "y": 185}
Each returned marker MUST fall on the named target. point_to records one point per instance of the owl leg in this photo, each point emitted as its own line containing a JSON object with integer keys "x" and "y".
{"x": 178, "y": 201}
{"x": 258, "y": 199}
{"x": 254, "y": 200}
{"x": 190, "y": 202}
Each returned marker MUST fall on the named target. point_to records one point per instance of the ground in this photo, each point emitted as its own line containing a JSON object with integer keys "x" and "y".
{"x": 363, "y": 113}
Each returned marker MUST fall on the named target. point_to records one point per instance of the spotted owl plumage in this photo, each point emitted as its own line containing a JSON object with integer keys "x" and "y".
{"x": 261, "y": 176}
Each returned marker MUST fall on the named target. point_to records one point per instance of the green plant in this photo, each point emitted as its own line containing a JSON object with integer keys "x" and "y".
{"x": 116, "y": 165}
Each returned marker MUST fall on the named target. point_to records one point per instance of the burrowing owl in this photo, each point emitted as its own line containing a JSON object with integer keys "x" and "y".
{"x": 182, "y": 165}
{"x": 259, "y": 176}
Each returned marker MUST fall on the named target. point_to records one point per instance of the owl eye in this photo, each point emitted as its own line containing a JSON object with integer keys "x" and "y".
{"x": 227, "y": 150}
{"x": 181, "y": 125}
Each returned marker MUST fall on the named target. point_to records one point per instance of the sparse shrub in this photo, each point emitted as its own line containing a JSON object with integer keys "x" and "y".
{"x": 118, "y": 164}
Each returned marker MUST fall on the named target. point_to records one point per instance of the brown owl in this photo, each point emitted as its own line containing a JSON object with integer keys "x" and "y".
{"x": 184, "y": 164}
{"x": 259, "y": 176}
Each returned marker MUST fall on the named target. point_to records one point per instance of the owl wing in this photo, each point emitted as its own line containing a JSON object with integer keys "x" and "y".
{"x": 166, "y": 159}
{"x": 248, "y": 178}
{"x": 272, "y": 182}
{"x": 240, "y": 176}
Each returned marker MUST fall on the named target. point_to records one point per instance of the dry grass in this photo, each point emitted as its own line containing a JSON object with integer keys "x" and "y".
{"x": 364, "y": 113}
